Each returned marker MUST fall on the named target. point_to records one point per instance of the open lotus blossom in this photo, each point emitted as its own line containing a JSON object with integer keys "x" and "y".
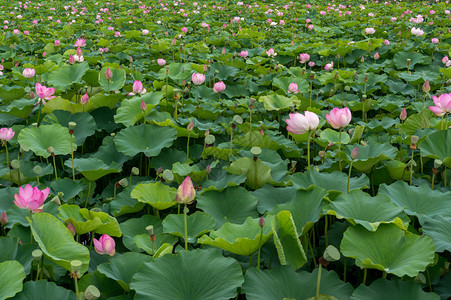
{"x": 243, "y": 53}
{"x": 185, "y": 30}
{"x": 6, "y": 134}
{"x": 329, "y": 66}
{"x": 370, "y": 30}
{"x": 105, "y": 245}
{"x": 44, "y": 92}
{"x": 304, "y": 57}
{"x": 84, "y": 99}
{"x": 293, "y": 88}
{"x": 186, "y": 192}
{"x": 161, "y": 62}
{"x": 339, "y": 117}
{"x": 145, "y": 32}
{"x": 442, "y": 104}
{"x": 198, "y": 78}
{"x": 79, "y": 58}
{"x": 446, "y": 61}
{"x": 28, "y": 73}
{"x": 31, "y": 198}
{"x": 219, "y": 87}
{"x": 271, "y": 53}
{"x": 299, "y": 123}
{"x": 80, "y": 43}
{"x": 417, "y": 31}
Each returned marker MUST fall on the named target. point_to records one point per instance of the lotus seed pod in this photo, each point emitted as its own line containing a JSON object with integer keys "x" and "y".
{"x": 256, "y": 151}
{"x": 420, "y": 278}
{"x": 437, "y": 163}
{"x": 75, "y": 265}
{"x": 168, "y": 175}
{"x": 210, "y": 139}
{"x": 50, "y": 150}
{"x": 135, "y": 171}
{"x": 252, "y": 101}
{"x": 237, "y": 120}
{"x": 72, "y": 125}
{"x": 414, "y": 139}
{"x": 123, "y": 182}
{"x": 347, "y": 88}
{"x": 92, "y": 293}
{"x": 34, "y": 124}
{"x": 113, "y": 134}
{"x": 56, "y": 200}
{"x": 37, "y": 170}
{"x": 322, "y": 154}
{"x": 15, "y": 164}
{"x": 37, "y": 255}
{"x": 331, "y": 254}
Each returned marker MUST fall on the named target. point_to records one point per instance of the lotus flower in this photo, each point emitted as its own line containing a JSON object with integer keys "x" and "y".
{"x": 28, "y": 73}
{"x": 417, "y": 31}
{"x": 3, "y": 218}
{"x": 161, "y": 62}
{"x": 219, "y": 87}
{"x": 44, "y": 92}
{"x": 299, "y": 123}
{"x": 31, "y": 198}
{"x": 6, "y": 134}
{"x": 145, "y": 32}
{"x": 80, "y": 43}
{"x": 138, "y": 87}
{"x": 370, "y": 30}
{"x": 198, "y": 78}
{"x": 442, "y": 104}
{"x": 243, "y": 53}
{"x": 329, "y": 66}
{"x": 105, "y": 245}
{"x": 293, "y": 88}
{"x": 271, "y": 53}
{"x": 339, "y": 117}
{"x": 304, "y": 57}
{"x": 186, "y": 192}
{"x": 108, "y": 74}
{"x": 84, "y": 99}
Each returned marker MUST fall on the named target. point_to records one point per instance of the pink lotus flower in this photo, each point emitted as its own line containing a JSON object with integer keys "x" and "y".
{"x": 44, "y": 92}
{"x": 186, "y": 192}
{"x": 71, "y": 59}
{"x": 161, "y": 62}
{"x": 376, "y": 56}
{"x": 299, "y": 123}
{"x": 417, "y": 31}
{"x": 434, "y": 40}
{"x": 145, "y": 32}
{"x": 311, "y": 64}
{"x": 403, "y": 114}
{"x": 84, "y": 99}
{"x": 271, "y": 53}
{"x": 143, "y": 106}
{"x": 185, "y": 30}
{"x": 311, "y": 26}
{"x": 80, "y": 43}
{"x": 3, "y": 219}
{"x": 138, "y": 87}
{"x": 198, "y": 78}
{"x": 442, "y": 104}
{"x": 6, "y": 134}
{"x": 329, "y": 66}
{"x": 446, "y": 61}
{"x": 293, "y": 88}
{"x": 386, "y": 42}
{"x": 219, "y": 87}
{"x": 339, "y": 117}
{"x": 243, "y": 54}
{"x": 31, "y": 198}
{"x": 304, "y": 57}
{"x": 108, "y": 74}
{"x": 28, "y": 73}
{"x": 370, "y": 30}
{"x": 105, "y": 245}
{"x": 57, "y": 43}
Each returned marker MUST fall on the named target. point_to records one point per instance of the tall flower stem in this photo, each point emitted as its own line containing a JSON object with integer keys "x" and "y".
{"x": 349, "y": 177}
{"x": 39, "y": 111}
{"x": 308, "y": 150}
{"x": 187, "y": 145}
{"x": 411, "y": 168}
{"x": 259, "y": 247}
{"x": 198, "y": 101}
{"x": 54, "y": 166}
{"x": 7, "y": 161}
{"x": 185, "y": 211}
{"x": 231, "y": 142}
{"x": 339, "y": 150}
{"x": 318, "y": 282}
{"x": 72, "y": 156}
{"x": 89, "y": 192}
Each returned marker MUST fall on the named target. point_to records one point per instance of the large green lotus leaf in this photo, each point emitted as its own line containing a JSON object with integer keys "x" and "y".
{"x": 93, "y": 168}
{"x": 12, "y": 250}
{"x": 276, "y": 102}
{"x": 223, "y": 72}
{"x": 358, "y": 207}
{"x": 284, "y": 82}
{"x": 108, "y": 287}
{"x": 67, "y": 186}
{"x": 287, "y": 242}
{"x": 234, "y": 205}
{"x": 306, "y": 208}
{"x": 187, "y": 276}
{"x": 39, "y": 139}
{"x": 438, "y": 228}
{"x": 20, "y": 108}
{"x": 332, "y": 182}
{"x": 444, "y": 287}
{"x": 388, "y": 249}
{"x": 198, "y": 224}
{"x": 7, "y": 196}
{"x": 333, "y": 136}
{"x": 284, "y": 283}
{"x": 11, "y": 276}
{"x": 243, "y": 239}
{"x": 109, "y": 225}
{"x": 397, "y": 170}
{"x": 412, "y": 199}
{"x": 371, "y": 155}
{"x": 130, "y": 111}
{"x": 257, "y": 172}
{"x": 86, "y": 125}
{"x": 115, "y": 83}
{"x": 136, "y": 226}
{"x": 146, "y": 138}
{"x": 71, "y": 214}
{"x": 438, "y": 145}
{"x": 122, "y": 268}
{"x": 157, "y": 194}
{"x": 270, "y": 196}
{"x": 177, "y": 71}
{"x": 400, "y": 59}
{"x": 65, "y": 76}
{"x": 43, "y": 290}
{"x": 417, "y": 121}
{"x": 100, "y": 100}
{"x": 392, "y": 289}
{"x": 109, "y": 154}
{"x": 56, "y": 241}
{"x": 124, "y": 204}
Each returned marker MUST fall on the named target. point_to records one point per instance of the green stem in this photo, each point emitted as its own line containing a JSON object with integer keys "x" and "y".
{"x": 185, "y": 211}
{"x": 339, "y": 150}
{"x": 255, "y": 173}
{"x": 384, "y": 275}
{"x": 39, "y": 111}
{"x": 445, "y": 177}
{"x": 411, "y": 168}
{"x": 308, "y": 150}
{"x": 38, "y": 270}
{"x": 311, "y": 248}
{"x": 433, "y": 179}
{"x": 365, "y": 271}
{"x": 76, "y": 286}
{"x": 72, "y": 156}
{"x": 325, "y": 230}
{"x": 318, "y": 282}
{"x": 231, "y": 142}
{"x": 198, "y": 101}
{"x": 7, "y": 162}
{"x": 89, "y": 192}
{"x": 344, "y": 268}
{"x": 311, "y": 90}
{"x": 187, "y": 145}
{"x": 349, "y": 177}
{"x": 259, "y": 248}
{"x": 54, "y": 165}
{"x": 250, "y": 261}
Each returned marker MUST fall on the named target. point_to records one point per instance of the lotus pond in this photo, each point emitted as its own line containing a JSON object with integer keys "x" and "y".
{"x": 225, "y": 150}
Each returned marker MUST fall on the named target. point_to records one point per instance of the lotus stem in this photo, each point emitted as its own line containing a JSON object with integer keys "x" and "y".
{"x": 185, "y": 211}
{"x": 344, "y": 268}
{"x": 7, "y": 162}
{"x": 89, "y": 192}
{"x": 311, "y": 248}
{"x": 411, "y": 168}
{"x": 77, "y": 292}
{"x": 308, "y": 150}
{"x": 445, "y": 177}
{"x": 187, "y": 145}
{"x": 231, "y": 142}
{"x": 259, "y": 247}
{"x": 54, "y": 165}
{"x": 255, "y": 174}
{"x": 311, "y": 90}
{"x": 365, "y": 271}
{"x": 349, "y": 177}
{"x": 433, "y": 180}
{"x": 325, "y": 230}
{"x": 250, "y": 261}
{"x": 318, "y": 282}
{"x": 167, "y": 82}
{"x": 198, "y": 102}
{"x": 39, "y": 111}
{"x": 72, "y": 156}
{"x": 339, "y": 150}
{"x": 384, "y": 274}
{"x": 18, "y": 169}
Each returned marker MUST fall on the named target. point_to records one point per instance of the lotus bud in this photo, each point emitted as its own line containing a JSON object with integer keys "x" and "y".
{"x": 355, "y": 153}
{"x": 190, "y": 126}
{"x": 403, "y": 114}
{"x": 71, "y": 59}
{"x": 71, "y": 228}
{"x": 135, "y": 171}
{"x": 37, "y": 170}
{"x": 362, "y": 59}
{"x": 32, "y": 95}
{"x": 72, "y": 125}
{"x": 186, "y": 192}
{"x": 37, "y": 255}
{"x": 426, "y": 87}
{"x": 205, "y": 68}
{"x": 168, "y": 176}
{"x": 208, "y": 169}
{"x": 79, "y": 51}
{"x": 84, "y": 99}
{"x": 261, "y": 221}
{"x": 159, "y": 170}
{"x": 92, "y": 293}
{"x": 108, "y": 74}
{"x": 3, "y": 218}
{"x": 376, "y": 56}
{"x": 123, "y": 182}
{"x": 51, "y": 150}
{"x": 143, "y": 106}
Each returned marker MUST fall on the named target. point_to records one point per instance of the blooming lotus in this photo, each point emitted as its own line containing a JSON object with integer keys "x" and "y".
{"x": 186, "y": 192}
{"x": 243, "y": 54}
{"x": 293, "y": 88}
{"x": 31, "y": 198}
{"x": 300, "y": 124}
{"x": 442, "y": 104}
{"x": 105, "y": 245}
{"x": 417, "y": 31}
{"x": 161, "y": 62}
{"x": 28, "y": 73}
{"x": 44, "y": 92}
{"x": 6, "y": 134}
{"x": 138, "y": 88}
{"x": 80, "y": 43}
{"x": 271, "y": 53}
{"x": 370, "y": 30}
{"x": 329, "y": 66}
{"x": 304, "y": 57}
{"x": 339, "y": 117}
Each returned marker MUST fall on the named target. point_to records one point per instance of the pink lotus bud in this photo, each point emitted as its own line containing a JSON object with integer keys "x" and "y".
{"x": 219, "y": 87}
{"x": 71, "y": 59}
{"x": 198, "y": 78}
{"x": 143, "y": 106}
{"x": 3, "y": 219}
{"x": 339, "y": 117}
{"x": 79, "y": 51}
{"x": 108, "y": 74}
{"x": 426, "y": 87}
{"x": 376, "y": 56}
{"x": 243, "y": 54}
{"x": 137, "y": 87}
{"x": 32, "y": 95}
{"x": 186, "y": 192}
{"x": 57, "y": 42}
{"x": 434, "y": 40}
{"x": 293, "y": 88}
{"x": 304, "y": 57}
{"x": 445, "y": 60}
{"x": 403, "y": 114}
{"x": 145, "y": 32}
{"x": 105, "y": 245}
{"x": 190, "y": 126}
{"x": 355, "y": 153}
{"x": 205, "y": 68}
{"x": 208, "y": 169}
{"x": 44, "y": 54}
{"x": 28, "y": 73}
{"x": 71, "y": 228}
{"x": 311, "y": 64}
{"x": 84, "y": 99}
{"x": 261, "y": 221}
{"x": 161, "y": 62}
